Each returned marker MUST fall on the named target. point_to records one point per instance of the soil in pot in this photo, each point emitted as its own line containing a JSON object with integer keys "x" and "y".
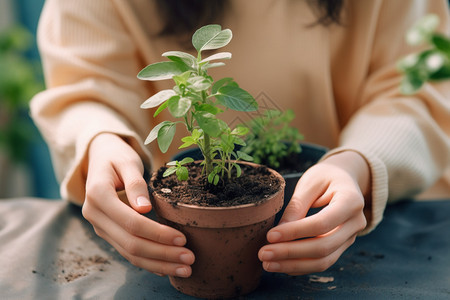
{"x": 224, "y": 235}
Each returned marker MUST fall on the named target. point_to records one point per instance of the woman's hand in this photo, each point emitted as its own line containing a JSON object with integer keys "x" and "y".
{"x": 114, "y": 166}
{"x": 302, "y": 245}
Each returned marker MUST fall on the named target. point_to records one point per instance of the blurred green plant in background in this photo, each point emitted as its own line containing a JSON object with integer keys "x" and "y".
{"x": 431, "y": 64}
{"x": 20, "y": 80}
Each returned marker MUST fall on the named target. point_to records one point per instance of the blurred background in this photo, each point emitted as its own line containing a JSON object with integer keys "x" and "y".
{"x": 25, "y": 165}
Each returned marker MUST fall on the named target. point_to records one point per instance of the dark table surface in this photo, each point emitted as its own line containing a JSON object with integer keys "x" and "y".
{"x": 48, "y": 251}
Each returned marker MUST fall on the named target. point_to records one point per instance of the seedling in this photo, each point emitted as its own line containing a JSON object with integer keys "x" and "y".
{"x": 197, "y": 100}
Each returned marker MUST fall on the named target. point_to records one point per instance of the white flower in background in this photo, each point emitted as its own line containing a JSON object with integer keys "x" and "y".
{"x": 434, "y": 62}
{"x": 422, "y": 30}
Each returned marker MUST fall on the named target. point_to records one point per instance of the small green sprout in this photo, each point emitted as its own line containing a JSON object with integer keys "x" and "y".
{"x": 178, "y": 168}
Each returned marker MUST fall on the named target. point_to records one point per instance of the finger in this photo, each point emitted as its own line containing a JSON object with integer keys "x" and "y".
{"x": 308, "y": 265}
{"x": 305, "y": 193}
{"x": 159, "y": 267}
{"x": 136, "y": 189}
{"x": 316, "y": 247}
{"x": 127, "y": 218}
{"x": 139, "y": 247}
{"x": 340, "y": 209}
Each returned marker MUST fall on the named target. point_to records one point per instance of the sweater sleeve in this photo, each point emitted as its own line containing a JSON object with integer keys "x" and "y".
{"x": 405, "y": 139}
{"x": 90, "y": 69}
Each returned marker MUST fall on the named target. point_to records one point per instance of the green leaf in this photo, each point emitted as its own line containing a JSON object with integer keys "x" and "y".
{"x": 179, "y": 106}
{"x": 442, "y": 74}
{"x": 169, "y": 171}
{"x": 410, "y": 85}
{"x": 244, "y": 156}
{"x": 182, "y": 78}
{"x": 160, "y": 109}
{"x": 186, "y": 160}
{"x": 212, "y": 65}
{"x": 441, "y": 42}
{"x": 211, "y": 37}
{"x": 182, "y": 173}
{"x": 211, "y": 177}
{"x": 240, "y": 130}
{"x": 238, "y": 169}
{"x": 236, "y": 98}
{"x": 220, "y": 55}
{"x": 162, "y": 70}
{"x": 187, "y": 58}
{"x": 198, "y": 83}
{"x": 158, "y": 98}
{"x": 216, "y": 179}
{"x": 239, "y": 141}
{"x": 172, "y": 163}
{"x": 165, "y": 136}
{"x": 154, "y": 132}
{"x": 209, "y": 108}
{"x": 222, "y": 82}
{"x": 187, "y": 141}
{"x": 209, "y": 123}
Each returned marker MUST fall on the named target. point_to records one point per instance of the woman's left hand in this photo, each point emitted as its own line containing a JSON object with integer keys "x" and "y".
{"x": 303, "y": 244}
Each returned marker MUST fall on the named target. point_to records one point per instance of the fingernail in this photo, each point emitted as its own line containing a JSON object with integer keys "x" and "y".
{"x": 179, "y": 241}
{"x": 181, "y": 272}
{"x": 273, "y": 236}
{"x": 142, "y": 201}
{"x": 267, "y": 255}
{"x": 186, "y": 258}
{"x": 273, "y": 266}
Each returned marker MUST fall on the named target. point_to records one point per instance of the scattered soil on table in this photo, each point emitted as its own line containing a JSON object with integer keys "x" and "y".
{"x": 254, "y": 183}
{"x": 71, "y": 265}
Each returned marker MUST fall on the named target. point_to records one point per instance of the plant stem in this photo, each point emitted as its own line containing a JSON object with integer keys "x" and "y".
{"x": 207, "y": 154}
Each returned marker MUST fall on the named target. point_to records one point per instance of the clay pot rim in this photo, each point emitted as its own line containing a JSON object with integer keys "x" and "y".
{"x": 205, "y": 215}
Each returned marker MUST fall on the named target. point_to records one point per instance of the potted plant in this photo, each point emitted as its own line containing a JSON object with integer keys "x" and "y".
{"x": 431, "y": 64}
{"x": 230, "y": 203}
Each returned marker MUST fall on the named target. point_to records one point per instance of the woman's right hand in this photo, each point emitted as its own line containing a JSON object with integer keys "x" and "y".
{"x": 113, "y": 166}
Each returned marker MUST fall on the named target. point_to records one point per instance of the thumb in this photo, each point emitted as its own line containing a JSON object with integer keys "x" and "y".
{"x": 305, "y": 193}
{"x": 295, "y": 210}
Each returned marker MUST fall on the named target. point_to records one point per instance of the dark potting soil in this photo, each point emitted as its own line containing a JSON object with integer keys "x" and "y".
{"x": 292, "y": 164}
{"x": 255, "y": 183}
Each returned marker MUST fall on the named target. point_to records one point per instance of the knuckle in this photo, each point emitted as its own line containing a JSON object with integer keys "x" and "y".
{"x": 131, "y": 246}
{"x": 86, "y": 211}
{"x": 135, "y": 183}
{"x": 132, "y": 259}
{"x": 162, "y": 234}
{"x": 322, "y": 224}
{"x": 98, "y": 232}
{"x": 132, "y": 226}
{"x": 324, "y": 250}
{"x": 363, "y": 223}
{"x": 323, "y": 264}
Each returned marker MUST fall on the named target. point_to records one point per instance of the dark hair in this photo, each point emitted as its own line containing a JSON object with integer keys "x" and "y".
{"x": 182, "y": 17}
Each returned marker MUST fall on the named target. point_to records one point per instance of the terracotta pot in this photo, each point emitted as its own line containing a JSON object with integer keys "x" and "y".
{"x": 225, "y": 241}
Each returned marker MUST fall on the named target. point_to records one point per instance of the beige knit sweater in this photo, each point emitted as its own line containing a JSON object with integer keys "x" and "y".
{"x": 340, "y": 81}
